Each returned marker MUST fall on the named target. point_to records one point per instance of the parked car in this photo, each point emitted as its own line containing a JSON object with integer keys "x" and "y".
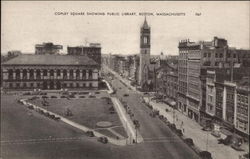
{"x": 90, "y": 133}
{"x": 189, "y": 141}
{"x": 91, "y": 96}
{"x": 103, "y": 140}
{"x": 57, "y": 118}
{"x": 125, "y": 95}
{"x": 205, "y": 155}
{"x": 206, "y": 128}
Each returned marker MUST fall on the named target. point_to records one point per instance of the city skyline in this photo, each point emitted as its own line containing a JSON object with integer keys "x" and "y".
{"x": 120, "y": 34}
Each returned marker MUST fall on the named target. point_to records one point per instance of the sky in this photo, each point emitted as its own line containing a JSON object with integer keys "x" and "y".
{"x": 24, "y": 24}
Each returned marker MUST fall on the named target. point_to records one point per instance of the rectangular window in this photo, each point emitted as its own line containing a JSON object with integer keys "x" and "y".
{"x": 209, "y": 54}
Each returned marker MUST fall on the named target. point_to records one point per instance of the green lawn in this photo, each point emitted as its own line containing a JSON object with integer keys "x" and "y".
{"x": 86, "y": 111}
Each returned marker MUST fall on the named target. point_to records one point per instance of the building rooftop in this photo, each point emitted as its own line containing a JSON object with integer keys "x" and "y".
{"x": 50, "y": 60}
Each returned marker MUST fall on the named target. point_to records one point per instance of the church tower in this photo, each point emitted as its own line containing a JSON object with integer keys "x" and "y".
{"x": 144, "y": 53}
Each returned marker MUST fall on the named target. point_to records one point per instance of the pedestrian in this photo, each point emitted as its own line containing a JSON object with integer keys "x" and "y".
{"x": 183, "y": 130}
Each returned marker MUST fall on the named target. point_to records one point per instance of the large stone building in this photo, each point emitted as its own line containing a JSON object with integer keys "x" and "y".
{"x": 93, "y": 51}
{"x": 47, "y": 48}
{"x": 50, "y": 72}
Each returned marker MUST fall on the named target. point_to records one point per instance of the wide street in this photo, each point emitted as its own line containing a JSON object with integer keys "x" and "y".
{"x": 159, "y": 140}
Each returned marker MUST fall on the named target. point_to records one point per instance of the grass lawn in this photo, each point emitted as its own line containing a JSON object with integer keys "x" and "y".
{"x": 85, "y": 111}
{"x": 106, "y": 132}
{"x": 120, "y": 130}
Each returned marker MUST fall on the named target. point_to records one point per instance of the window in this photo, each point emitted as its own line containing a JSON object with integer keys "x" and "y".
{"x": 31, "y": 85}
{"x": 221, "y": 55}
{"x": 216, "y": 55}
{"x": 145, "y": 40}
{"x": 205, "y": 54}
{"x": 234, "y": 55}
{"x": 90, "y": 74}
{"x": 58, "y": 72}
{"x": 24, "y": 85}
{"x": 45, "y": 73}
{"x": 10, "y": 85}
{"x": 209, "y": 54}
{"x": 90, "y": 84}
{"x": 84, "y": 85}
{"x": 17, "y": 85}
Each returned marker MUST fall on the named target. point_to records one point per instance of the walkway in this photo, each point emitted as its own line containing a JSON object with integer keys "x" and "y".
{"x": 127, "y": 122}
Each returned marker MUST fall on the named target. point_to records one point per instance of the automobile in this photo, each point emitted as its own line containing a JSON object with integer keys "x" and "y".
{"x": 63, "y": 96}
{"x": 30, "y": 107}
{"x": 236, "y": 147}
{"x": 103, "y": 139}
{"x": 205, "y": 155}
{"x": 53, "y": 97}
{"x": 52, "y": 116}
{"x": 91, "y": 96}
{"x": 145, "y": 93}
{"x": 90, "y": 133}
{"x": 125, "y": 95}
{"x": 57, "y": 118}
{"x": 81, "y": 96}
{"x": 179, "y": 132}
{"x": 206, "y": 128}
{"x": 226, "y": 141}
{"x": 189, "y": 141}
{"x": 45, "y": 96}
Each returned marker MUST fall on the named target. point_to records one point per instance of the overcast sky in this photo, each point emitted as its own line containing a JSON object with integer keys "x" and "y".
{"x": 24, "y": 24}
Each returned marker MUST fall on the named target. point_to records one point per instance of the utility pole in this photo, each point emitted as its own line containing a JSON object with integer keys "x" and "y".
{"x": 207, "y": 142}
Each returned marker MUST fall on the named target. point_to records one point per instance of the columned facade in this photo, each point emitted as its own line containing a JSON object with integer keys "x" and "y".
{"x": 49, "y": 77}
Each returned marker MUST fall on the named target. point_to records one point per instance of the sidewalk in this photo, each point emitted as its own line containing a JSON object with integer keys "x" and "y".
{"x": 203, "y": 140}
{"x": 127, "y": 122}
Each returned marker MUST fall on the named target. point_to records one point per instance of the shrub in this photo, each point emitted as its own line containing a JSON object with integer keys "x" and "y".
{"x": 179, "y": 132}
{"x": 189, "y": 141}
{"x": 205, "y": 155}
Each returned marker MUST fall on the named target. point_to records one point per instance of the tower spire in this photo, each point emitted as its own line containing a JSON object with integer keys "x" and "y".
{"x": 145, "y": 24}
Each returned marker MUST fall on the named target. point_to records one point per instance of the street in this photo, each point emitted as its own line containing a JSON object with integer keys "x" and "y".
{"x": 159, "y": 140}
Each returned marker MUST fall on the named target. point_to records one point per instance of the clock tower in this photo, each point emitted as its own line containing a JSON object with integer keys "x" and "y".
{"x": 144, "y": 53}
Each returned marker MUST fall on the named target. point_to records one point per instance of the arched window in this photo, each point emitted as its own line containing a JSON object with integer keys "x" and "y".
{"x": 77, "y": 74}
{"x": 45, "y": 73}
{"x": 64, "y": 74}
{"x": 31, "y": 74}
{"x": 90, "y": 74}
{"x": 38, "y": 74}
{"x": 58, "y": 72}
{"x": 25, "y": 74}
{"x": 71, "y": 74}
{"x": 10, "y": 74}
{"x": 51, "y": 72}
{"x": 83, "y": 74}
{"x": 18, "y": 74}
